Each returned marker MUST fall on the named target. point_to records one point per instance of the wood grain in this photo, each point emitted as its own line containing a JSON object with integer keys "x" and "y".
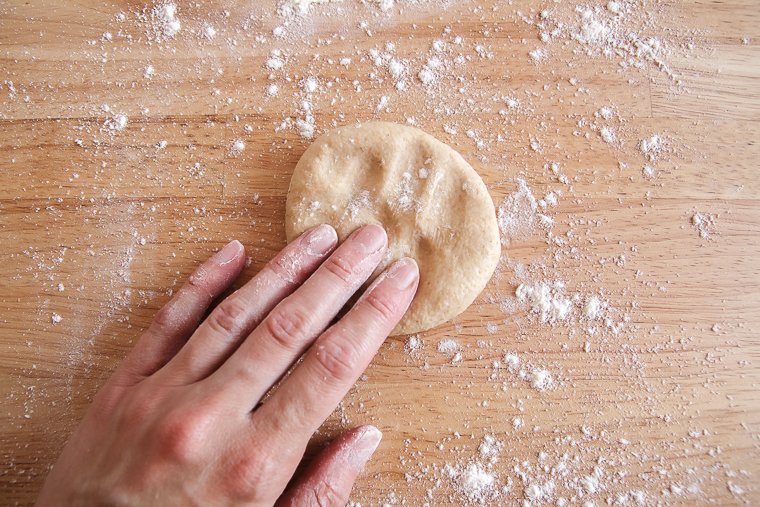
{"x": 120, "y": 222}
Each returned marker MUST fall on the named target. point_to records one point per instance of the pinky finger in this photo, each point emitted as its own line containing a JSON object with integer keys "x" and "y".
{"x": 177, "y": 320}
{"x": 329, "y": 479}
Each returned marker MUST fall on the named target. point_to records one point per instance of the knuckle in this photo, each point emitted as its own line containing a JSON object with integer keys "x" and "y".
{"x": 341, "y": 267}
{"x": 180, "y": 435}
{"x": 107, "y": 399}
{"x": 247, "y": 477}
{"x": 385, "y": 307}
{"x": 136, "y": 409}
{"x": 166, "y": 317}
{"x": 199, "y": 282}
{"x": 227, "y": 318}
{"x": 288, "y": 326}
{"x": 324, "y": 494}
{"x": 285, "y": 269}
{"x": 337, "y": 360}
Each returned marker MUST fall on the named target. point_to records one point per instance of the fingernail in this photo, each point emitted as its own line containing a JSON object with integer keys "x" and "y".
{"x": 229, "y": 253}
{"x": 320, "y": 240}
{"x": 365, "y": 444}
{"x": 371, "y": 238}
{"x": 403, "y": 273}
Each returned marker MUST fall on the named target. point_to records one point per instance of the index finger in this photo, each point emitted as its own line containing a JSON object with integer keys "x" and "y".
{"x": 338, "y": 357}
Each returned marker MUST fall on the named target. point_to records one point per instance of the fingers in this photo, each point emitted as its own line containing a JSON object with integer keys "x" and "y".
{"x": 329, "y": 479}
{"x": 339, "y": 356}
{"x": 180, "y": 316}
{"x": 295, "y": 322}
{"x": 233, "y": 319}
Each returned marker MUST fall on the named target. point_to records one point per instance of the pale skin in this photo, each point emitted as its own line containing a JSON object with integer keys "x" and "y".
{"x": 181, "y": 422}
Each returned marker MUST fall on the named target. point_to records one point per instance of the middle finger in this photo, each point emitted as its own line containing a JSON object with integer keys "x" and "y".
{"x": 293, "y": 325}
{"x": 235, "y": 317}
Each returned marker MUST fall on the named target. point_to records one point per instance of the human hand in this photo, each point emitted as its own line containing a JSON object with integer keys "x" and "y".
{"x": 181, "y": 421}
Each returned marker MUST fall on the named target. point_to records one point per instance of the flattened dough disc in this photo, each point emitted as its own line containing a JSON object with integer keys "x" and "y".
{"x": 434, "y": 206}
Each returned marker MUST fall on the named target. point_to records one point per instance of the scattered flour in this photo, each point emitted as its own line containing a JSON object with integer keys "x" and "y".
{"x": 385, "y": 5}
{"x": 306, "y": 126}
{"x": 413, "y": 344}
{"x": 208, "y": 31}
{"x": 512, "y": 361}
{"x": 593, "y": 30}
{"x": 605, "y": 112}
{"x": 382, "y": 104}
{"x": 300, "y": 7}
{"x": 593, "y": 308}
{"x": 166, "y": 21}
{"x": 651, "y": 147}
{"x": 473, "y": 483}
{"x": 237, "y": 147}
{"x": 614, "y": 6}
{"x": 537, "y": 55}
{"x": 448, "y": 346}
{"x": 516, "y": 214}
{"x": 116, "y": 123}
{"x": 608, "y": 135}
{"x": 276, "y": 60}
{"x": 427, "y": 76}
{"x": 511, "y": 102}
{"x": 546, "y": 300}
{"x": 704, "y": 223}
{"x": 310, "y": 84}
{"x": 541, "y": 379}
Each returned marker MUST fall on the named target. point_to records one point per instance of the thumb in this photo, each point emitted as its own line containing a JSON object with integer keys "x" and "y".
{"x": 327, "y": 482}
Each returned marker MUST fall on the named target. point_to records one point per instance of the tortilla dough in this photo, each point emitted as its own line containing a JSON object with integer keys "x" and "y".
{"x": 433, "y": 205}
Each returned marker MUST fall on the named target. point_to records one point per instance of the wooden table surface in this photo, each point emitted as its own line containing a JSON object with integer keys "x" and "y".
{"x": 657, "y": 402}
